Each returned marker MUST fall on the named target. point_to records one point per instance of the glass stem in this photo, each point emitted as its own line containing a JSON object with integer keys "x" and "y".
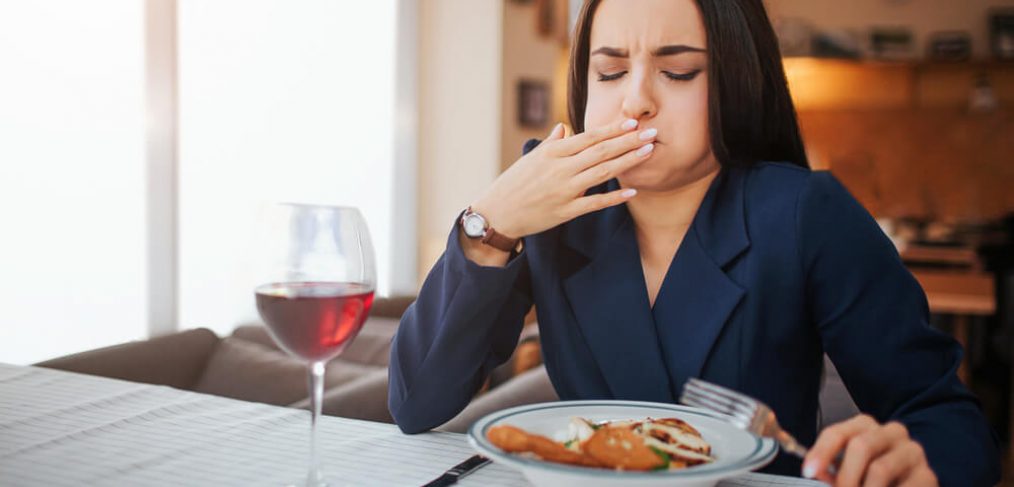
{"x": 314, "y": 478}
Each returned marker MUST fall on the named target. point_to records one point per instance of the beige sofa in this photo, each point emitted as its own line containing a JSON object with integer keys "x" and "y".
{"x": 247, "y": 365}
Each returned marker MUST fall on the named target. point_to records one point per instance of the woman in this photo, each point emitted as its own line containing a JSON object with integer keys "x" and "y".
{"x": 703, "y": 248}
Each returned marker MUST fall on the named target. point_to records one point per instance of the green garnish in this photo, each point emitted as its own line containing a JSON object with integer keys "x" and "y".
{"x": 567, "y": 444}
{"x": 664, "y": 456}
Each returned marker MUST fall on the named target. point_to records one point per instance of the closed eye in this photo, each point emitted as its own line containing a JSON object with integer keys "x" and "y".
{"x": 672, "y": 76}
{"x": 611, "y": 77}
{"x": 682, "y": 76}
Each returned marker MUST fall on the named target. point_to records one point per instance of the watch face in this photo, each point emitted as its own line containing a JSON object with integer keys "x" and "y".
{"x": 474, "y": 225}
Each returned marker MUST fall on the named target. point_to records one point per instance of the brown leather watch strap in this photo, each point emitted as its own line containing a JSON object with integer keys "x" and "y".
{"x": 499, "y": 241}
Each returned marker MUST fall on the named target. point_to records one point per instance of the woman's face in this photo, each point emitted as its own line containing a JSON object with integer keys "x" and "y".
{"x": 648, "y": 62}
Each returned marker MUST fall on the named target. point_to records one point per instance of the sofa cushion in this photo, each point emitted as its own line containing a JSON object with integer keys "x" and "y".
{"x": 836, "y": 404}
{"x": 362, "y": 398}
{"x": 371, "y": 347}
{"x": 391, "y": 306}
{"x": 530, "y": 387}
{"x": 245, "y": 370}
{"x": 174, "y": 360}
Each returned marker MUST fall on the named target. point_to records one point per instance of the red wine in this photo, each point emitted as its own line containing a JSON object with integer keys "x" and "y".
{"x": 314, "y": 320}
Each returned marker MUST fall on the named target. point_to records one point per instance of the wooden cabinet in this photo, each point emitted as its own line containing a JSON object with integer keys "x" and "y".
{"x": 901, "y": 137}
{"x": 828, "y": 84}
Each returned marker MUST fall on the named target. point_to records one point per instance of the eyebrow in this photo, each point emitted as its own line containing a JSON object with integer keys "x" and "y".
{"x": 662, "y": 51}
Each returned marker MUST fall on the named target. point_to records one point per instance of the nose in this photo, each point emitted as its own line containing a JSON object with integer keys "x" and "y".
{"x": 639, "y": 100}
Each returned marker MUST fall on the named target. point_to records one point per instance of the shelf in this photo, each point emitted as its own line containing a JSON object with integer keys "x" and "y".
{"x": 975, "y": 64}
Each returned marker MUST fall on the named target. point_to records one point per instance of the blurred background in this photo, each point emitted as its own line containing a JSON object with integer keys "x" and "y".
{"x": 140, "y": 140}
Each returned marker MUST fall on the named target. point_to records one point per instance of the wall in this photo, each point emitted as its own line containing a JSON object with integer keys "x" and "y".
{"x": 527, "y": 55}
{"x": 460, "y": 119}
{"x": 901, "y": 136}
{"x": 935, "y": 164}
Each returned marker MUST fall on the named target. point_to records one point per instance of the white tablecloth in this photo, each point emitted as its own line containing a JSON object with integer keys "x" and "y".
{"x": 60, "y": 428}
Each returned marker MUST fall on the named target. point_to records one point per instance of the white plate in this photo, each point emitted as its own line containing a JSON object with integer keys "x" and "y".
{"x": 736, "y": 451}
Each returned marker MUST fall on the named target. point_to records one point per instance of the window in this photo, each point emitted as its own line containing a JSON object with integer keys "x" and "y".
{"x": 276, "y": 101}
{"x": 282, "y": 101}
{"x": 72, "y": 153}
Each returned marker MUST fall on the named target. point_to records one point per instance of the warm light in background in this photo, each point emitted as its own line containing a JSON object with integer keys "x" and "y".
{"x": 831, "y": 84}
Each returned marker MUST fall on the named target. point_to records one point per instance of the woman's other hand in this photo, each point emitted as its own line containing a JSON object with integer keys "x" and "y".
{"x": 874, "y": 455}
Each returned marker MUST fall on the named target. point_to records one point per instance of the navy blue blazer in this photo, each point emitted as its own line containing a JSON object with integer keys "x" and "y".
{"x": 780, "y": 265}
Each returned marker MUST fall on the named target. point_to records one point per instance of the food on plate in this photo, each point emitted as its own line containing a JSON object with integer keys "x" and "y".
{"x": 517, "y": 440}
{"x": 622, "y": 449}
{"x": 649, "y": 444}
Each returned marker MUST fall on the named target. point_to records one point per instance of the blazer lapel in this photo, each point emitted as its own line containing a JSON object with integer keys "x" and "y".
{"x": 697, "y": 297}
{"x": 648, "y": 353}
{"x": 610, "y": 302}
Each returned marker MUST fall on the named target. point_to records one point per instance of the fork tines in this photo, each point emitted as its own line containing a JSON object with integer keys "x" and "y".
{"x": 744, "y": 411}
{"x": 706, "y": 395}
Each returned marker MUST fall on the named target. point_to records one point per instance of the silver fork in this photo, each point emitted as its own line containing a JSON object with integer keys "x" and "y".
{"x": 746, "y": 413}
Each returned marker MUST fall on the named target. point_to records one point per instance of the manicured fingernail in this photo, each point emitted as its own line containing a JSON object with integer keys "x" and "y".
{"x": 648, "y": 134}
{"x": 630, "y": 124}
{"x": 809, "y": 470}
{"x": 643, "y": 151}
{"x": 628, "y": 193}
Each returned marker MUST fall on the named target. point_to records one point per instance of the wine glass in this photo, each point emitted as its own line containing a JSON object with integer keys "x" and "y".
{"x": 316, "y": 290}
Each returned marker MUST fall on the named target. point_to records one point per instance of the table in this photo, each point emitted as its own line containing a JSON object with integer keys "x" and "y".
{"x": 959, "y": 257}
{"x": 60, "y": 428}
{"x": 961, "y": 294}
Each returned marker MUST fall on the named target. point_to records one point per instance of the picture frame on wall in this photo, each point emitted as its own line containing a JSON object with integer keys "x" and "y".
{"x": 1001, "y": 33}
{"x": 533, "y": 103}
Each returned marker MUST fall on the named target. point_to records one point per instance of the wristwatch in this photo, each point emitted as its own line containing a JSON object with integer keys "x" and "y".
{"x": 475, "y": 226}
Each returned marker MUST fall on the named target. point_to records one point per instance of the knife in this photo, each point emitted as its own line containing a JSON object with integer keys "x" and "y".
{"x": 459, "y": 471}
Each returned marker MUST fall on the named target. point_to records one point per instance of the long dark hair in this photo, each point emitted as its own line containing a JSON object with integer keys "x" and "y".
{"x": 750, "y": 113}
